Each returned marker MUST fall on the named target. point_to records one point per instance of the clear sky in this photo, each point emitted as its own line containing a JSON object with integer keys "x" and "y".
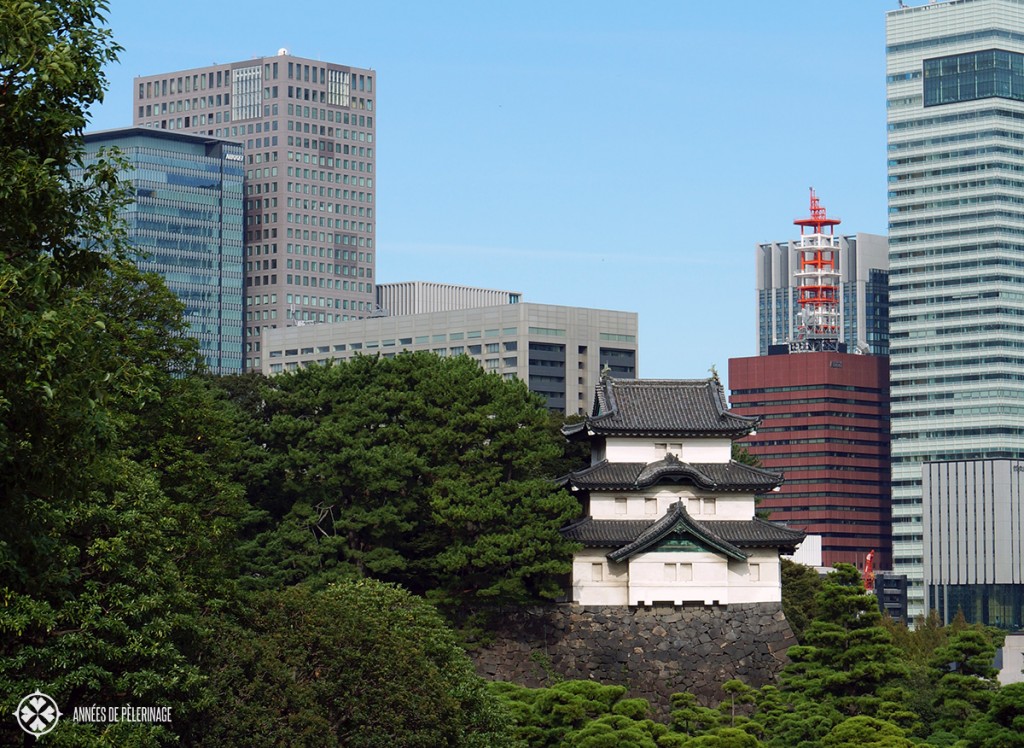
{"x": 599, "y": 154}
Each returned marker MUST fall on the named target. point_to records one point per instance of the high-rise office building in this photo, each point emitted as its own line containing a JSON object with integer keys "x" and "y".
{"x": 955, "y": 115}
{"x": 186, "y": 225}
{"x": 307, "y": 127}
{"x": 863, "y": 288}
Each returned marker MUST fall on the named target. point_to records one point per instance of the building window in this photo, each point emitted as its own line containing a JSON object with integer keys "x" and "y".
{"x": 974, "y": 75}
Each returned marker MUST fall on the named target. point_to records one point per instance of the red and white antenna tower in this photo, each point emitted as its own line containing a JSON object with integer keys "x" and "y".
{"x": 818, "y": 280}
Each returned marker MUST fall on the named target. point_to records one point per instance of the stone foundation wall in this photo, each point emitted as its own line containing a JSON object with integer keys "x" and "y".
{"x": 654, "y": 651}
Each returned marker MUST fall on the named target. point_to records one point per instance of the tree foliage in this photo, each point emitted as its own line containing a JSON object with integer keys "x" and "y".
{"x": 417, "y": 470}
{"x": 581, "y": 714}
{"x": 800, "y": 587}
{"x": 117, "y": 523}
{"x": 848, "y": 657}
{"x": 358, "y": 664}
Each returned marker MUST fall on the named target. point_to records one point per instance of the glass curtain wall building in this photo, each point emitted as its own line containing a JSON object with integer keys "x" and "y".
{"x": 186, "y": 224}
{"x": 955, "y": 116}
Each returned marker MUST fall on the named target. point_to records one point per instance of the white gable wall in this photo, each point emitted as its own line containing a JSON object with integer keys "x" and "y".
{"x": 598, "y": 581}
{"x": 676, "y": 577}
{"x": 652, "y": 504}
{"x": 626, "y": 449}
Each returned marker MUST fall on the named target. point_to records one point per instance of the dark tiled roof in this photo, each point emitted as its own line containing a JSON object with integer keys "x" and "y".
{"x": 730, "y": 476}
{"x": 618, "y": 533}
{"x": 666, "y": 407}
{"x": 676, "y": 520}
{"x": 605, "y": 533}
{"x": 755, "y": 533}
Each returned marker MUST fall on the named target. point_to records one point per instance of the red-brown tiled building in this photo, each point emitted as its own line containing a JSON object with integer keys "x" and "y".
{"x": 826, "y": 428}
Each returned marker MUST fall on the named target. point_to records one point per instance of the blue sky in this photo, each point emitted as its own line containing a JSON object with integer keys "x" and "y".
{"x": 585, "y": 153}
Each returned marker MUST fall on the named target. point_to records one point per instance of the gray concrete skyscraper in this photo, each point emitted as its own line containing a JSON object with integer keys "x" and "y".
{"x": 307, "y": 128}
{"x": 955, "y": 115}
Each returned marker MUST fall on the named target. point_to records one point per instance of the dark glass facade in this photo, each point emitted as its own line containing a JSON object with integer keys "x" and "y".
{"x": 1000, "y": 605}
{"x": 877, "y": 311}
{"x": 187, "y": 224}
{"x": 974, "y": 75}
{"x": 547, "y": 373}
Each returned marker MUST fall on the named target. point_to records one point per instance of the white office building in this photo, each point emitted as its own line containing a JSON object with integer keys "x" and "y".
{"x": 955, "y": 114}
{"x": 974, "y": 550}
{"x": 559, "y": 351}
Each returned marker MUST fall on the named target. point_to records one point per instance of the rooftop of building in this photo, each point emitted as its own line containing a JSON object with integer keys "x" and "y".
{"x": 180, "y": 136}
{"x": 662, "y": 407}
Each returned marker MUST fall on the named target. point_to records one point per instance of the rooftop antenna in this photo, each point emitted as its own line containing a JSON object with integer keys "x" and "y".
{"x": 817, "y": 280}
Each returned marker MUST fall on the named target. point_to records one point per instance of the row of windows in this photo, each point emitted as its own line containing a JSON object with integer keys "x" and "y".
{"x": 187, "y": 105}
{"x": 830, "y": 495}
{"x": 319, "y": 282}
{"x": 976, "y": 184}
{"x": 337, "y": 193}
{"x": 329, "y": 115}
{"x": 963, "y": 137}
{"x": 330, "y": 176}
{"x": 329, "y": 146}
{"x": 998, "y": 220}
{"x": 330, "y": 161}
{"x": 324, "y": 268}
{"x": 187, "y": 83}
{"x": 760, "y": 443}
{"x": 958, "y": 379}
{"x": 975, "y": 361}
{"x": 819, "y": 427}
{"x": 959, "y": 346}
{"x": 960, "y": 249}
{"x": 305, "y": 234}
{"x": 967, "y": 283}
{"x": 881, "y": 484}
{"x": 345, "y": 149}
{"x": 808, "y": 401}
{"x": 302, "y": 72}
{"x": 337, "y": 96}
{"x": 1010, "y": 394}
{"x": 876, "y": 458}
{"x": 961, "y": 266}
{"x": 477, "y": 349}
{"x": 941, "y": 41}
{"x": 982, "y": 410}
{"x": 958, "y": 203}
{"x": 338, "y": 254}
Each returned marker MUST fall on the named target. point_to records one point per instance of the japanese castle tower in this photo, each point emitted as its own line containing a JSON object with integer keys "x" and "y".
{"x": 670, "y": 515}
